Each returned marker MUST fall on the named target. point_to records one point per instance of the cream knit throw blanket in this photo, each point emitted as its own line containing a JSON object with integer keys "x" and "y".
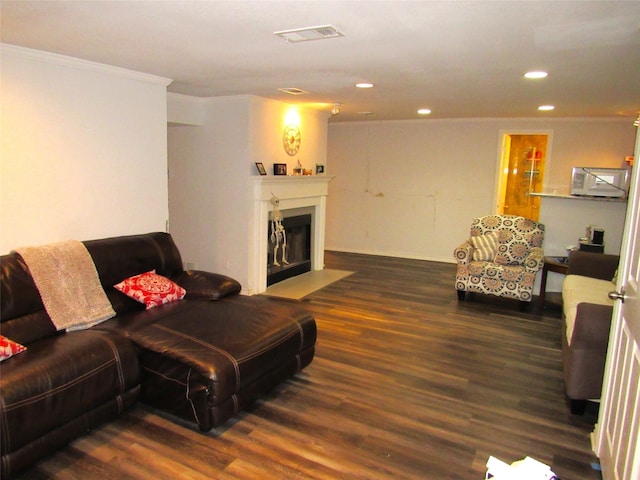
{"x": 68, "y": 282}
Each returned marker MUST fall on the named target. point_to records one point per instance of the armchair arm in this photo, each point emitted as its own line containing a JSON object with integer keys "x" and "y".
{"x": 464, "y": 253}
{"x": 534, "y": 260}
{"x": 592, "y": 264}
{"x": 207, "y": 285}
{"x": 591, "y": 328}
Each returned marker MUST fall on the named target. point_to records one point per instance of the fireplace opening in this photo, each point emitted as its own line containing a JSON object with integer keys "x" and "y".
{"x": 297, "y": 252}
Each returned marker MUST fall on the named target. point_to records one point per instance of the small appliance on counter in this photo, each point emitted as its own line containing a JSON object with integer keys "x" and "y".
{"x": 593, "y": 241}
{"x": 600, "y": 182}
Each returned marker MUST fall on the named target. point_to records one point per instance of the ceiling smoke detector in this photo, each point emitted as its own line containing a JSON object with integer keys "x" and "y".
{"x": 321, "y": 32}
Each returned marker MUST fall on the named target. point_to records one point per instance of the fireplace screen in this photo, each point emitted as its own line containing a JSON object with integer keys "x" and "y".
{"x": 289, "y": 254}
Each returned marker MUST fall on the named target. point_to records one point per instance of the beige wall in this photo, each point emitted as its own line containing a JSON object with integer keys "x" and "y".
{"x": 411, "y": 188}
{"x": 210, "y": 170}
{"x": 84, "y": 155}
{"x": 82, "y": 150}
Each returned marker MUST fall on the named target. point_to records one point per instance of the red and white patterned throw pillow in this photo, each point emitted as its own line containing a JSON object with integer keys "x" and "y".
{"x": 151, "y": 289}
{"x": 9, "y": 348}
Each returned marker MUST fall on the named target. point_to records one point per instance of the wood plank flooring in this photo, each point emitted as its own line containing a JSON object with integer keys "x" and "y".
{"x": 407, "y": 383}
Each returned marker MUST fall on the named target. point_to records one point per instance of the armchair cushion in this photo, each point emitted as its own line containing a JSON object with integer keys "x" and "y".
{"x": 485, "y": 246}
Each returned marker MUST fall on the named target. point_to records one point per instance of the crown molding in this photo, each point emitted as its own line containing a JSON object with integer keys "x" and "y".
{"x": 72, "y": 62}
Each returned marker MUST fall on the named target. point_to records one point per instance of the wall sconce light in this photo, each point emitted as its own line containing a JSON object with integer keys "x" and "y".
{"x": 292, "y": 117}
{"x": 335, "y": 110}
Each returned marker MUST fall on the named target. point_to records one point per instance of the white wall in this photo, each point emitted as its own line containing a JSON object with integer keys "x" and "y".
{"x": 565, "y": 221}
{"x": 211, "y": 167}
{"x": 208, "y": 185}
{"x": 82, "y": 150}
{"x": 411, "y": 188}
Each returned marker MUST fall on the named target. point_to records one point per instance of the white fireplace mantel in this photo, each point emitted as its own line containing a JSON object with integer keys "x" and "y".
{"x": 296, "y": 192}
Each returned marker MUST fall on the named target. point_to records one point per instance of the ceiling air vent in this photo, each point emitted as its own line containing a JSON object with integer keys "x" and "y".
{"x": 293, "y": 91}
{"x": 309, "y": 33}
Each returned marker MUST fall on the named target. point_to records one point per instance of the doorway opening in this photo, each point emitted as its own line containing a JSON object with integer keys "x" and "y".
{"x": 522, "y": 166}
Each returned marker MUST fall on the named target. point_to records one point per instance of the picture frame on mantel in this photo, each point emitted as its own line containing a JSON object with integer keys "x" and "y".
{"x": 261, "y": 169}
{"x": 319, "y": 169}
{"x": 279, "y": 168}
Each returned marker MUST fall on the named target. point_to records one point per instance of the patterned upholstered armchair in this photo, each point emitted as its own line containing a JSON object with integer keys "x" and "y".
{"x": 501, "y": 257}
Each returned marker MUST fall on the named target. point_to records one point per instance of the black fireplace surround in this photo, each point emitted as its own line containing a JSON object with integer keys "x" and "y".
{"x": 298, "y": 251}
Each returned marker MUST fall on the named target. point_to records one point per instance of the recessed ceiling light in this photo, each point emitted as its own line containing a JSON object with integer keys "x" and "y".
{"x": 364, "y": 85}
{"x": 366, "y": 114}
{"x": 424, "y": 111}
{"x": 546, "y": 108}
{"x": 536, "y": 74}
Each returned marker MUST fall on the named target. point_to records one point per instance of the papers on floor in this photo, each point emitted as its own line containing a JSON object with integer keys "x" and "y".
{"x": 526, "y": 469}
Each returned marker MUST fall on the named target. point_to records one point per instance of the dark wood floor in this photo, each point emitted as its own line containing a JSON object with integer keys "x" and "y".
{"x": 407, "y": 383}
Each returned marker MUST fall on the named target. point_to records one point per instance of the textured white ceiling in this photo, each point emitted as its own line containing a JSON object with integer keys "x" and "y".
{"x": 458, "y": 58}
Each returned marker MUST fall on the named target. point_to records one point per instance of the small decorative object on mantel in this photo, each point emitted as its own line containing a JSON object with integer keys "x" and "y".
{"x": 297, "y": 170}
{"x": 278, "y": 234}
{"x": 279, "y": 168}
{"x": 319, "y": 169}
{"x": 261, "y": 169}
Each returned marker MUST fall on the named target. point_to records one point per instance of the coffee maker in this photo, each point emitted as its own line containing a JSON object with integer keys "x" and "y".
{"x": 593, "y": 240}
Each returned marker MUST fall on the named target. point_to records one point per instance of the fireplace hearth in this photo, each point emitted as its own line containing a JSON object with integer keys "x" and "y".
{"x": 298, "y": 250}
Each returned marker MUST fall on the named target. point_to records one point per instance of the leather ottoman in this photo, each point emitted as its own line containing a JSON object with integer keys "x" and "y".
{"x": 206, "y": 367}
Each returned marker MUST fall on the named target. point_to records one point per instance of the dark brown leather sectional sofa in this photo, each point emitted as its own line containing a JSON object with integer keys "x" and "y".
{"x": 202, "y": 359}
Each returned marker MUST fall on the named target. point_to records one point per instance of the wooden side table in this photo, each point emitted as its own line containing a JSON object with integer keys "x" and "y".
{"x": 551, "y": 264}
